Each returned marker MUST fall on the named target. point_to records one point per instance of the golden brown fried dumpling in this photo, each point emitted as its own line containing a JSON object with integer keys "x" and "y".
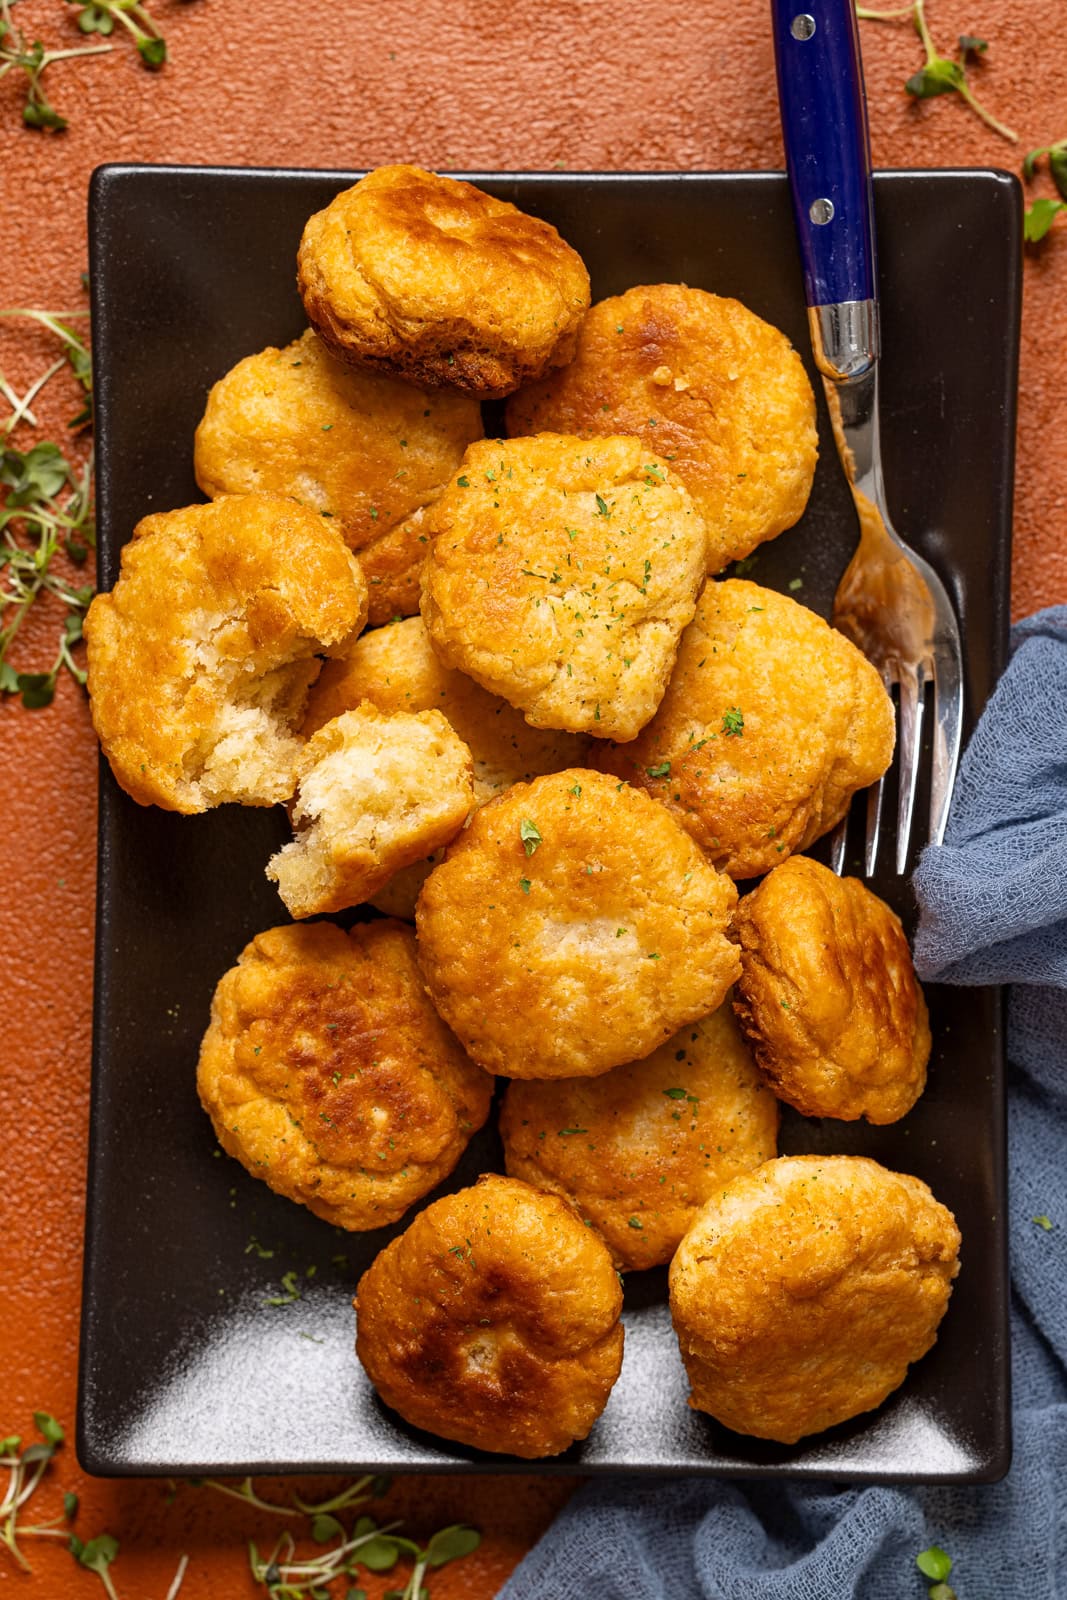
{"x": 573, "y": 926}
{"x": 828, "y": 996}
{"x": 327, "y": 1073}
{"x": 201, "y": 657}
{"x": 771, "y": 722}
{"x": 804, "y": 1291}
{"x": 395, "y": 668}
{"x": 375, "y": 794}
{"x": 432, "y": 280}
{"x": 362, "y": 449}
{"x": 640, "y": 1149}
{"x": 704, "y": 382}
{"x": 560, "y": 576}
{"x": 494, "y": 1321}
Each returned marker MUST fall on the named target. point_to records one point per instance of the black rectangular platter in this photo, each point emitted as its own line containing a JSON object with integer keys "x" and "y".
{"x": 184, "y": 1368}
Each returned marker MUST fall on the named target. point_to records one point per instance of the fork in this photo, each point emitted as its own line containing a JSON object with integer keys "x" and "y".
{"x": 890, "y": 602}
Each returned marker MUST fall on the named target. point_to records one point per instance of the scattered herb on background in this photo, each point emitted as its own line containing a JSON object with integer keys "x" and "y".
{"x": 936, "y": 1564}
{"x": 1042, "y": 213}
{"x": 1039, "y": 217}
{"x": 100, "y": 16}
{"x": 47, "y": 509}
{"x": 291, "y": 1288}
{"x": 942, "y": 74}
{"x": 377, "y": 1548}
{"x": 733, "y": 721}
{"x": 27, "y": 1468}
{"x": 17, "y": 54}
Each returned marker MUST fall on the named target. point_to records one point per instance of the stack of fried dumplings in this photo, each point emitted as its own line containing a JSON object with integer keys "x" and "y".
{"x": 564, "y": 740}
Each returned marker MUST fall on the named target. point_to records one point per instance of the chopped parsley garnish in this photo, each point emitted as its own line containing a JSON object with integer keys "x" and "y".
{"x": 530, "y": 835}
{"x": 733, "y": 722}
{"x": 602, "y": 506}
{"x": 524, "y": 885}
{"x": 635, "y": 1222}
{"x": 661, "y": 770}
{"x": 675, "y": 1094}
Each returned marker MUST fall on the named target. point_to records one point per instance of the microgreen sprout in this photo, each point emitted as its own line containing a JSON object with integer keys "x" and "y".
{"x": 18, "y": 55}
{"x": 370, "y": 1486}
{"x": 377, "y": 1548}
{"x": 97, "y": 1555}
{"x": 100, "y": 16}
{"x": 47, "y": 509}
{"x": 1042, "y": 213}
{"x": 75, "y": 353}
{"x": 27, "y": 1468}
{"x": 942, "y": 74}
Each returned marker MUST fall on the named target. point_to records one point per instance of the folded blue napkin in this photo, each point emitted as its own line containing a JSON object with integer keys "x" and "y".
{"x": 993, "y": 904}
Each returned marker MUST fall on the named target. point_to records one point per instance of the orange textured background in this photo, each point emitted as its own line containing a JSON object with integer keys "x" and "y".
{"x": 519, "y": 84}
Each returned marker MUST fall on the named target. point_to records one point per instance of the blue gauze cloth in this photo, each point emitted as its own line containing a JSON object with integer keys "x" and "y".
{"x": 993, "y": 904}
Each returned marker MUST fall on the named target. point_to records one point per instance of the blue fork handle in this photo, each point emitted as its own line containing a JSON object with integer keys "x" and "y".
{"x": 824, "y": 124}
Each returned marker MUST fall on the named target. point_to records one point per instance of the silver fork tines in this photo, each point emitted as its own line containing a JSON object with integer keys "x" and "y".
{"x": 894, "y": 607}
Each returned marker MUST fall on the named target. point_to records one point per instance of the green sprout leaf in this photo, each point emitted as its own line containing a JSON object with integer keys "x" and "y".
{"x": 325, "y": 1527}
{"x": 939, "y": 76}
{"x": 1039, "y": 218}
{"x": 97, "y": 1554}
{"x": 1057, "y": 166}
{"x": 48, "y": 1427}
{"x": 449, "y": 1544}
{"x": 40, "y": 474}
{"x": 971, "y": 45}
{"x": 153, "y": 52}
{"x": 380, "y": 1554}
{"x": 934, "y": 1563}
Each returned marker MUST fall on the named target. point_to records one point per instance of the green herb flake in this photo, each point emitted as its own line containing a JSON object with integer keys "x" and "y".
{"x": 733, "y": 722}
{"x": 530, "y": 835}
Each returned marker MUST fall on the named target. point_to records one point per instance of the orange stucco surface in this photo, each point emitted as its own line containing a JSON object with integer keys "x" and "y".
{"x": 476, "y": 84}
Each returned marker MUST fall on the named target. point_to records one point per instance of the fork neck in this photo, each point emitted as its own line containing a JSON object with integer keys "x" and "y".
{"x": 853, "y": 407}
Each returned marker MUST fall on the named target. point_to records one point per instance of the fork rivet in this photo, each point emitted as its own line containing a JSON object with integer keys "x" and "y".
{"x": 802, "y": 26}
{"x": 821, "y": 211}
